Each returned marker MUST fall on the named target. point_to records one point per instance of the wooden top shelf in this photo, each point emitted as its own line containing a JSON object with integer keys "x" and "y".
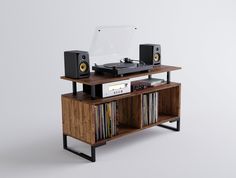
{"x": 95, "y": 79}
{"x": 81, "y": 96}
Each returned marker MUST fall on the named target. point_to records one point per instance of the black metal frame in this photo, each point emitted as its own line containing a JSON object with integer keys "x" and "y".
{"x": 91, "y": 158}
{"x": 177, "y": 128}
{"x": 93, "y": 91}
{"x": 74, "y": 88}
{"x": 168, "y": 77}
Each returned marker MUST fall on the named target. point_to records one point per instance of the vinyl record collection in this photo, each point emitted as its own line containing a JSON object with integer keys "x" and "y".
{"x": 106, "y": 120}
{"x": 150, "y": 108}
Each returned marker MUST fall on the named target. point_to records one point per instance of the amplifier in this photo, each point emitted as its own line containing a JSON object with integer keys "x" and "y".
{"x": 109, "y": 89}
{"x": 137, "y": 85}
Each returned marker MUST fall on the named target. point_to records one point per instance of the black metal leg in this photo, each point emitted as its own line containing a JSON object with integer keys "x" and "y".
{"x": 64, "y": 141}
{"x": 93, "y": 154}
{"x": 168, "y": 77}
{"x": 74, "y": 87}
{"x": 178, "y": 125}
{"x": 149, "y": 76}
{"x": 91, "y": 158}
{"x": 177, "y": 128}
{"x": 93, "y": 92}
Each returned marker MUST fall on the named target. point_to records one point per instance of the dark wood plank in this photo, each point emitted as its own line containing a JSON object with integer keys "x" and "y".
{"x": 129, "y": 112}
{"x": 169, "y": 101}
{"x": 95, "y": 79}
{"x": 78, "y": 120}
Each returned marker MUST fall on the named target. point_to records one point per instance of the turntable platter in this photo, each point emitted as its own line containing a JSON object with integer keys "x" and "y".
{"x": 119, "y": 65}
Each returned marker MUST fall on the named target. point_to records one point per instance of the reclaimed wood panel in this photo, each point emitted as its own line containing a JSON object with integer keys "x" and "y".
{"x": 77, "y": 119}
{"x": 129, "y": 111}
{"x": 169, "y": 101}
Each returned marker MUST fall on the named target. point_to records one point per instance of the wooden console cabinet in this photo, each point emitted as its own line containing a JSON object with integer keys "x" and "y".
{"x": 78, "y": 108}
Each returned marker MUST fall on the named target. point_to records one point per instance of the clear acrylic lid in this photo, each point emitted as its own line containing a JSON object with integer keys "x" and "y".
{"x": 111, "y": 43}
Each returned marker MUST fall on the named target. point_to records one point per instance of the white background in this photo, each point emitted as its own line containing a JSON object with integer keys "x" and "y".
{"x": 196, "y": 35}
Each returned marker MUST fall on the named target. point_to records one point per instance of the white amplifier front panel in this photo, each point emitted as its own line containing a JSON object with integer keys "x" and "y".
{"x": 116, "y": 88}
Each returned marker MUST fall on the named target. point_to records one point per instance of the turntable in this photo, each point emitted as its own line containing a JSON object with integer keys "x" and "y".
{"x": 126, "y": 66}
{"x": 112, "y": 43}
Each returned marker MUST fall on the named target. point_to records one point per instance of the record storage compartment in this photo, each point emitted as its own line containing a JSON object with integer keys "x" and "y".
{"x": 79, "y": 110}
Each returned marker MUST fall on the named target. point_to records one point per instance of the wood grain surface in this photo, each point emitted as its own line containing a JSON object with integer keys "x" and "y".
{"x": 95, "y": 79}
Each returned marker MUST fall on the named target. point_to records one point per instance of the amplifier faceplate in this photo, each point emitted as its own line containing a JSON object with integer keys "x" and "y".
{"x": 115, "y": 88}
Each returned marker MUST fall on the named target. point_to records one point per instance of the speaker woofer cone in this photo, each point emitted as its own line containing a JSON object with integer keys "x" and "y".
{"x": 156, "y": 57}
{"x": 83, "y": 67}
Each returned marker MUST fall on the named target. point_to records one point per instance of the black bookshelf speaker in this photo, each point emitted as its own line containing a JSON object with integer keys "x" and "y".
{"x": 76, "y": 64}
{"x": 150, "y": 54}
